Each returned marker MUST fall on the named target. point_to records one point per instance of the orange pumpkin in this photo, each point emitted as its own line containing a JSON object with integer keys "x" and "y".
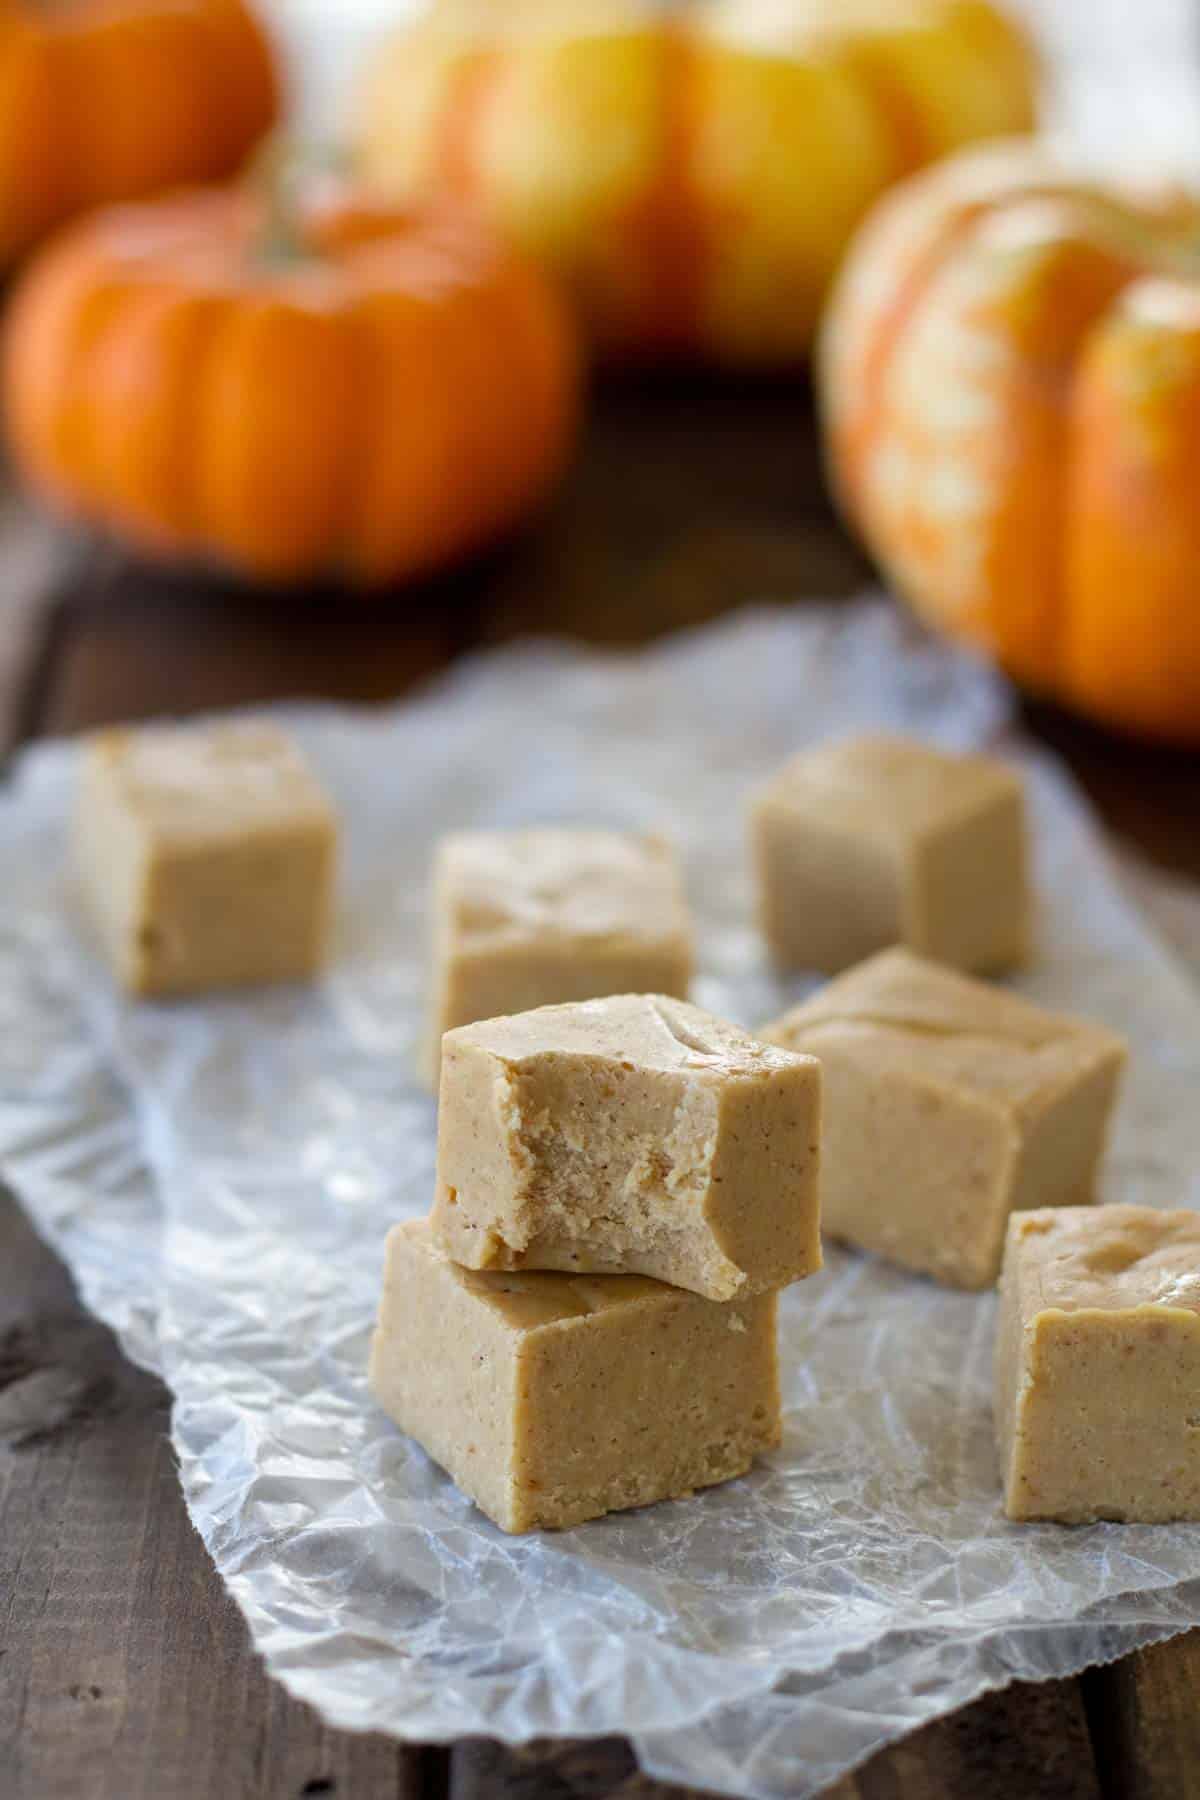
{"x": 693, "y": 174}
{"x": 104, "y": 100}
{"x": 1010, "y": 376}
{"x": 362, "y": 395}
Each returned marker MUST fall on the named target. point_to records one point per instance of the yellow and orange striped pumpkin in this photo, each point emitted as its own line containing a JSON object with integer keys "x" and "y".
{"x": 694, "y": 175}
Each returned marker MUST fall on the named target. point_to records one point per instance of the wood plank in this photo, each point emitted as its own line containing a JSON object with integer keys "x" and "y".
{"x": 1028, "y": 1742}
{"x": 1145, "y": 1716}
{"x": 587, "y": 1769}
{"x": 691, "y": 495}
{"x": 136, "y": 643}
{"x": 125, "y": 1668}
{"x": 34, "y": 572}
{"x": 1147, "y": 793}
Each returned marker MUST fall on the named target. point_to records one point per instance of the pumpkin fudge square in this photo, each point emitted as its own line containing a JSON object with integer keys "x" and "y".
{"x": 1098, "y": 1365}
{"x": 949, "y": 1104}
{"x": 535, "y": 917}
{"x": 633, "y": 1134}
{"x": 205, "y": 856}
{"x": 878, "y": 840}
{"x": 553, "y": 1399}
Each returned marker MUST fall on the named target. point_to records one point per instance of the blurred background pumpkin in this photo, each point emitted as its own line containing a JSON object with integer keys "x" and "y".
{"x": 1011, "y": 387}
{"x": 360, "y": 387}
{"x": 289, "y": 385}
{"x": 105, "y": 100}
{"x": 693, "y": 173}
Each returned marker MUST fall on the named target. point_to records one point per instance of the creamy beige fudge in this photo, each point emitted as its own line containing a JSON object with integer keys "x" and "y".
{"x": 632, "y": 1135}
{"x": 882, "y": 840}
{"x": 551, "y": 1399}
{"x": 949, "y": 1104}
{"x": 1098, "y": 1365}
{"x": 530, "y": 918}
{"x": 205, "y": 856}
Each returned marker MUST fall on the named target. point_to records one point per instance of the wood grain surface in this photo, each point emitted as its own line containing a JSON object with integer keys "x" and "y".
{"x": 1025, "y": 1743}
{"x": 125, "y": 1671}
{"x": 1145, "y": 1720}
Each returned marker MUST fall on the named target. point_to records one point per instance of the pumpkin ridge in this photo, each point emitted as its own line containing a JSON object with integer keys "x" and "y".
{"x": 73, "y": 438}
{"x": 454, "y": 149}
{"x": 660, "y": 233}
{"x": 526, "y": 328}
{"x": 1066, "y": 476}
{"x": 1024, "y": 576}
{"x": 54, "y": 152}
{"x": 122, "y": 471}
{"x": 211, "y": 312}
{"x": 349, "y": 439}
{"x": 396, "y": 506}
{"x": 249, "y": 95}
{"x": 1039, "y": 666}
{"x": 888, "y": 332}
{"x": 666, "y": 228}
{"x": 1134, "y": 543}
{"x": 287, "y": 458}
{"x": 911, "y": 142}
{"x": 353, "y": 448}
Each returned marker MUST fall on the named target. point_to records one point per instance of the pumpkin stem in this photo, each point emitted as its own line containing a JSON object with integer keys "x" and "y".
{"x": 282, "y": 175}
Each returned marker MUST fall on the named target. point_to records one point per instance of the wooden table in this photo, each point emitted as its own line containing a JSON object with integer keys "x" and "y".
{"x": 125, "y": 1670}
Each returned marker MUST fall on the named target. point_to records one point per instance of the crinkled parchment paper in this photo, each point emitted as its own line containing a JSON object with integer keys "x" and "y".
{"x": 221, "y": 1175}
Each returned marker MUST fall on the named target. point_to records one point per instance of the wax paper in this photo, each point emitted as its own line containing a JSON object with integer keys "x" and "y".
{"x": 221, "y": 1175}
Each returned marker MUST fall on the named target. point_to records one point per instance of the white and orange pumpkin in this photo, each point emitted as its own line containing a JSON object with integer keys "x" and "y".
{"x": 1010, "y": 375}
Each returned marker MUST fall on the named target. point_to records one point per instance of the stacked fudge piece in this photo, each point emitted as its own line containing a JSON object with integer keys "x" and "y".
{"x": 587, "y": 1319}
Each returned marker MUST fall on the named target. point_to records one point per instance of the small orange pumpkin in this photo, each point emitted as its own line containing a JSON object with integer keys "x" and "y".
{"x": 104, "y": 100}
{"x": 362, "y": 394}
{"x": 1010, "y": 375}
{"x": 692, "y": 171}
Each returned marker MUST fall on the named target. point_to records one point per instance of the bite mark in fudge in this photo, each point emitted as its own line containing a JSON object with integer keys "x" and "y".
{"x": 635, "y": 1134}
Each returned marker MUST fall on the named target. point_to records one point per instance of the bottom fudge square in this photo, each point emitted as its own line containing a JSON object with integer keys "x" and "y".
{"x": 551, "y": 1399}
{"x": 1098, "y": 1365}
